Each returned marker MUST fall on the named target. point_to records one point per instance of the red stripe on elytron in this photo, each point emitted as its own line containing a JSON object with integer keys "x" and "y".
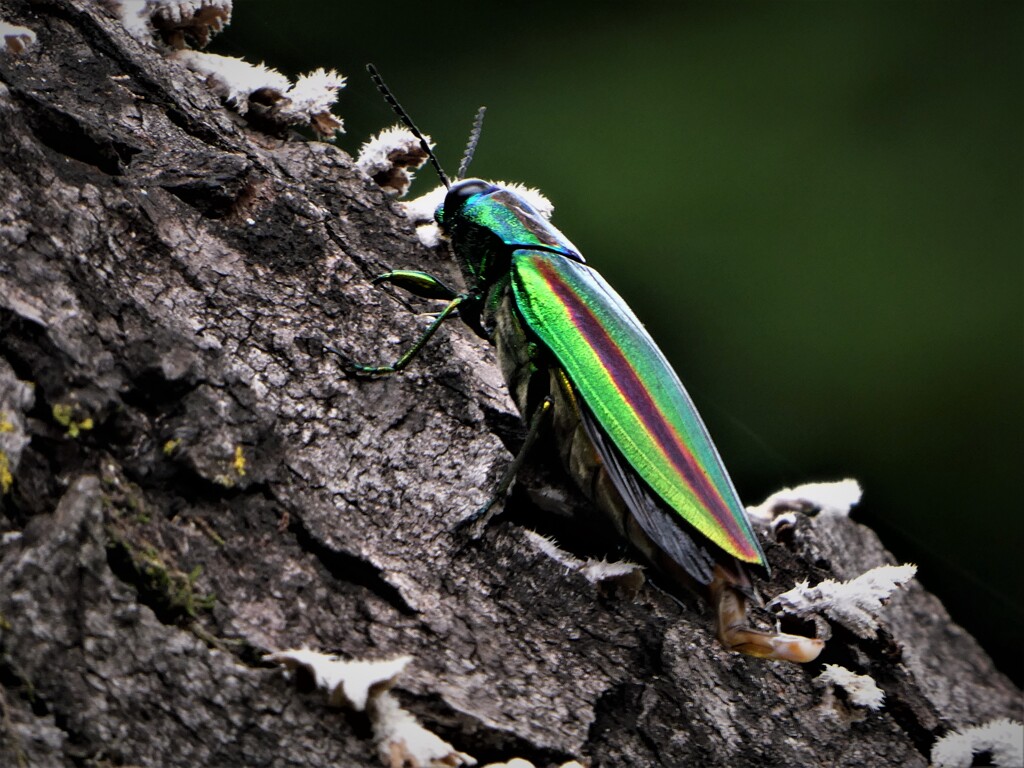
{"x": 627, "y": 381}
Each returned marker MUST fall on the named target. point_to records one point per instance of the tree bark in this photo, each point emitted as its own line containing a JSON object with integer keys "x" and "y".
{"x": 196, "y": 481}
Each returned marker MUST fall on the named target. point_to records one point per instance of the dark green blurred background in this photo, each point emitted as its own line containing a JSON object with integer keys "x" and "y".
{"x": 817, "y": 209}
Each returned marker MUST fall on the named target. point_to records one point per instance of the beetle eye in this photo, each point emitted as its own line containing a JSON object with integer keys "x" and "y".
{"x": 459, "y": 194}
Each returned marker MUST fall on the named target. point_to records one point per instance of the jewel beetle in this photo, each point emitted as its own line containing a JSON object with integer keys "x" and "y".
{"x": 579, "y": 363}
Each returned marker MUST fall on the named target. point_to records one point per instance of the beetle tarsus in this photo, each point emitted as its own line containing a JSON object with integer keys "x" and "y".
{"x": 371, "y": 371}
{"x": 360, "y": 371}
{"x": 351, "y": 368}
{"x": 735, "y": 634}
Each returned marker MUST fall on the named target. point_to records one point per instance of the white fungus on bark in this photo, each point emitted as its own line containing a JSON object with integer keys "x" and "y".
{"x": 310, "y": 101}
{"x": 201, "y": 19}
{"x": 855, "y": 604}
{"x": 1002, "y": 740}
{"x": 16, "y": 38}
{"x": 348, "y": 683}
{"x": 861, "y": 690}
{"x": 833, "y": 499}
{"x": 402, "y": 742}
{"x": 390, "y": 158}
{"x": 185, "y": 11}
{"x": 234, "y": 79}
{"x": 420, "y": 211}
{"x": 363, "y": 686}
{"x": 621, "y": 574}
{"x": 242, "y": 85}
{"x": 136, "y": 17}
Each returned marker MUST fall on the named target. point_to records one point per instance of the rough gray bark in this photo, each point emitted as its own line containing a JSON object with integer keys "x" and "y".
{"x": 170, "y": 278}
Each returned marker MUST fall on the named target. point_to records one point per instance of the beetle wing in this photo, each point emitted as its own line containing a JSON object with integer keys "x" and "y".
{"x": 657, "y": 520}
{"x": 634, "y": 395}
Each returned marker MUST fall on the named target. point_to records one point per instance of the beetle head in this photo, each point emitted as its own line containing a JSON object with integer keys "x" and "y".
{"x": 458, "y": 195}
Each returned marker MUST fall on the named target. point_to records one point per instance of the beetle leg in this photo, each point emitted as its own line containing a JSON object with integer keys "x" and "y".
{"x": 418, "y": 283}
{"x": 405, "y": 359}
{"x": 536, "y": 422}
{"x": 736, "y": 635}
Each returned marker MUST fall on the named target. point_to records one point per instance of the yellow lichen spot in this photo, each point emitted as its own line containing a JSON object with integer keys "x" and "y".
{"x": 239, "y": 461}
{"x": 6, "y": 478}
{"x": 5, "y": 423}
{"x": 171, "y": 446}
{"x": 64, "y": 414}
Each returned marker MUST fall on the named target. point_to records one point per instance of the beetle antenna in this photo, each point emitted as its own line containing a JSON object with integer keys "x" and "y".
{"x": 474, "y": 139}
{"x": 404, "y": 117}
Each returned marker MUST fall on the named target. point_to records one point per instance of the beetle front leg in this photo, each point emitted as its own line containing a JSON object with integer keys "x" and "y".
{"x": 421, "y": 284}
{"x": 383, "y": 370}
{"x": 735, "y": 633}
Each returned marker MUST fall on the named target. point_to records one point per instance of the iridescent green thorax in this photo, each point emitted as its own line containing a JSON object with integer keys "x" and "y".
{"x": 487, "y": 225}
{"x": 635, "y": 396}
{"x": 516, "y": 222}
